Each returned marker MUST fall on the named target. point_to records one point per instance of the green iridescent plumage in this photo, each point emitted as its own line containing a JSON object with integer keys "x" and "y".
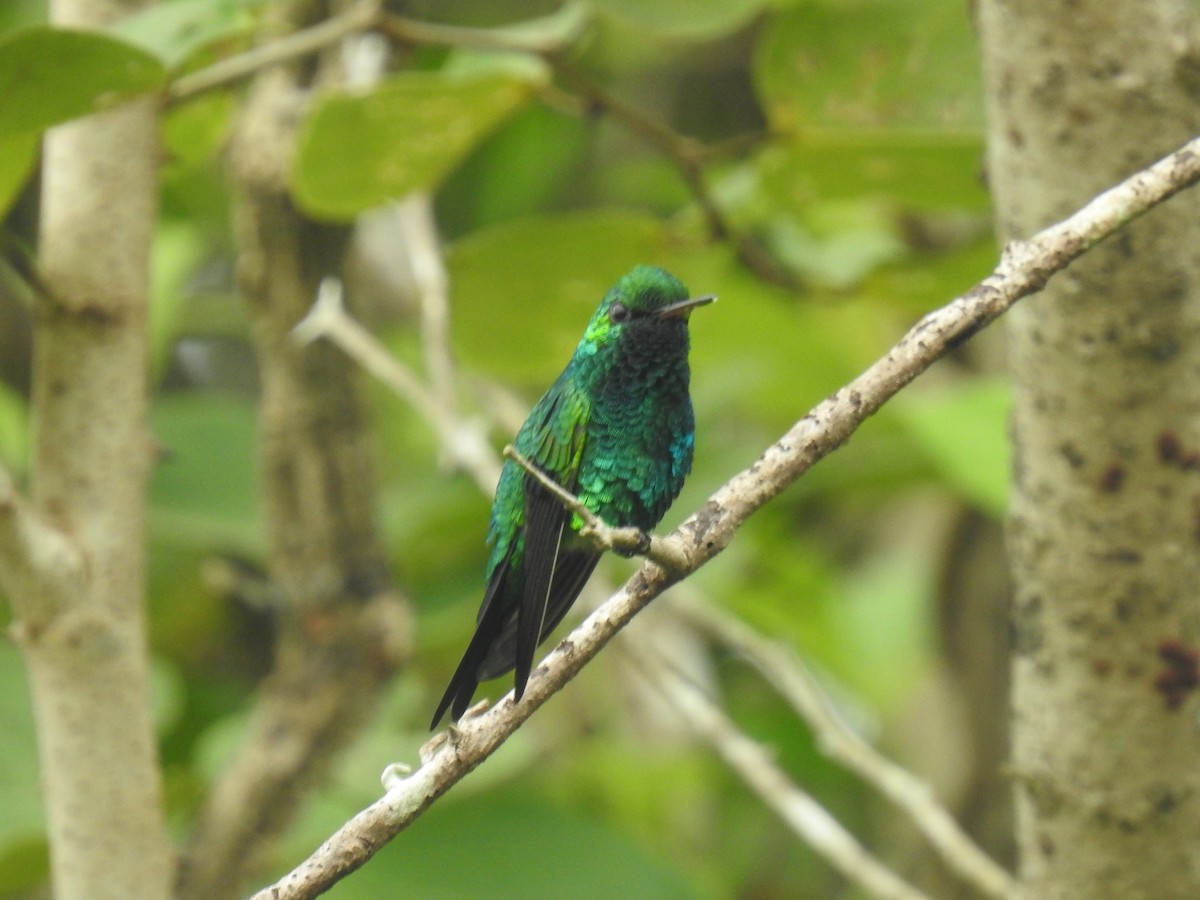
{"x": 615, "y": 429}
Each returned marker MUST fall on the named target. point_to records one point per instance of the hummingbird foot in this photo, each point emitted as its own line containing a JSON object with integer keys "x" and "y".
{"x": 627, "y": 542}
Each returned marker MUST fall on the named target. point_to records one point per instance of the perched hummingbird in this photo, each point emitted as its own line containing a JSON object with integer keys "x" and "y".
{"x": 616, "y": 430}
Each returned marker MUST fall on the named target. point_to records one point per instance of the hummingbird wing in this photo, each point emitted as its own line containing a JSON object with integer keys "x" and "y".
{"x": 554, "y": 575}
{"x": 555, "y": 569}
{"x": 491, "y": 623}
{"x": 541, "y": 569}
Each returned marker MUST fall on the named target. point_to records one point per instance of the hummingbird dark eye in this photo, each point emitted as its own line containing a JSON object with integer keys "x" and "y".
{"x": 618, "y": 312}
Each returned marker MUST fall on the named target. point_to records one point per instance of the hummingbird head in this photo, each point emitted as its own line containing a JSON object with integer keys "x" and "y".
{"x": 641, "y": 321}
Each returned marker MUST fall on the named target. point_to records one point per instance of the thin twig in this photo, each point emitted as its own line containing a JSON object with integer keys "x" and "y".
{"x": 429, "y": 272}
{"x": 359, "y": 17}
{"x": 782, "y": 668}
{"x": 463, "y": 440}
{"x": 41, "y": 566}
{"x": 753, "y": 764}
{"x": 687, "y": 154}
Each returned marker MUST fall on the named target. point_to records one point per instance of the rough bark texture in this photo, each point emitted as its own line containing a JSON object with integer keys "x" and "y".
{"x": 1104, "y": 529}
{"x": 344, "y": 630}
{"x": 83, "y": 636}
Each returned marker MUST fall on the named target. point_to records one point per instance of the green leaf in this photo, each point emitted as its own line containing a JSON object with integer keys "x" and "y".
{"x": 195, "y": 131}
{"x": 524, "y": 290}
{"x": 456, "y": 851}
{"x": 25, "y": 866}
{"x": 14, "y": 429}
{"x": 50, "y": 75}
{"x": 963, "y": 431}
{"x": 18, "y": 13}
{"x": 18, "y": 153}
{"x": 684, "y": 19}
{"x": 360, "y": 150}
{"x": 871, "y": 63}
{"x": 205, "y": 491}
{"x": 839, "y": 245}
{"x": 174, "y": 31}
{"x": 178, "y": 250}
{"x": 920, "y": 169}
{"x": 18, "y": 752}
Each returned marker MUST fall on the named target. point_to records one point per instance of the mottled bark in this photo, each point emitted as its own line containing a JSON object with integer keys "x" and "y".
{"x": 1104, "y": 532}
{"x": 343, "y": 630}
{"x": 80, "y": 625}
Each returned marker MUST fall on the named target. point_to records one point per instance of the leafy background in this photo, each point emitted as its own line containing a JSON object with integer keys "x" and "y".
{"x": 847, "y": 144}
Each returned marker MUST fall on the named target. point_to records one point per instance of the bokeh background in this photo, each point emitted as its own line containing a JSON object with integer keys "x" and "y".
{"x": 840, "y": 143}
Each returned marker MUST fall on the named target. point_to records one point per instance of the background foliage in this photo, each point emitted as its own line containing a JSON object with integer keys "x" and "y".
{"x": 846, "y": 143}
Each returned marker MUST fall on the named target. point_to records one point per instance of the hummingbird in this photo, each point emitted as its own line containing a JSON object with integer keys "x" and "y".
{"x": 616, "y": 430}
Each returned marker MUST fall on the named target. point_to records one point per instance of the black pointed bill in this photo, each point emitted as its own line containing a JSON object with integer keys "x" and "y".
{"x": 683, "y": 308}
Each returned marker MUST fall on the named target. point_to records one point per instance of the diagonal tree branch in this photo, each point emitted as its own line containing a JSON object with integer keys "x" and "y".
{"x": 464, "y": 442}
{"x": 362, "y": 16}
{"x": 343, "y": 630}
{"x": 807, "y": 818}
{"x": 1024, "y": 268}
{"x": 784, "y": 670}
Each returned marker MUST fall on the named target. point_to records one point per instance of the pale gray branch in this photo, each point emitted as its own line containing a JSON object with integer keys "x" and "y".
{"x": 782, "y": 668}
{"x": 41, "y": 569}
{"x": 1024, "y": 269}
{"x": 423, "y": 247}
{"x": 463, "y": 440}
{"x": 807, "y": 818}
{"x": 361, "y": 16}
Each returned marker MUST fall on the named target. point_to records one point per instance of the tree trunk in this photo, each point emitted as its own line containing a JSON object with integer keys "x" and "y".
{"x": 343, "y": 629}
{"x": 1105, "y": 520}
{"x": 82, "y": 631}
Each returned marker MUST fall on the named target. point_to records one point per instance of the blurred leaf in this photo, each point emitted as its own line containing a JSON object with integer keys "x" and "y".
{"x": 178, "y": 249}
{"x": 685, "y": 19}
{"x": 840, "y": 207}
{"x": 205, "y": 491}
{"x": 18, "y": 752}
{"x": 871, "y": 63}
{"x": 17, "y": 13}
{"x": 525, "y": 167}
{"x": 360, "y": 150}
{"x": 195, "y": 131}
{"x": 14, "y": 429}
{"x": 524, "y": 290}
{"x": 510, "y": 844}
{"x": 760, "y": 354}
{"x": 926, "y": 280}
{"x": 839, "y": 245}
{"x": 50, "y": 75}
{"x": 918, "y": 169}
{"x": 174, "y": 30}
{"x": 25, "y": 867}
{"x": 562, "y": 26}
{"x": 658, "y": 790}
{"x": 963, "y": 429}
{"x": 879, "y": 633}
{"x": 219, "y": 744}
{"x": 169, "y": 694}
{"x": 18, "y": 155}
